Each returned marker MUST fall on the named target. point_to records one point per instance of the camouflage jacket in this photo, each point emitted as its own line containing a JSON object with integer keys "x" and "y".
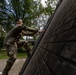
{"x": 15, "y": 33}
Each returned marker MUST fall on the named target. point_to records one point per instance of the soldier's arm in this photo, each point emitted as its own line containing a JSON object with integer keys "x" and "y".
{"x": 31, "y": 30}
{"x": 40, "y": 31}
{"x": 28, "y": 33}
{"x": 31, "y": 33}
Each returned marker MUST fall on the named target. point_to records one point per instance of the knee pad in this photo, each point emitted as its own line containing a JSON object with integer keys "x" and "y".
{"x": 10, "y": 53}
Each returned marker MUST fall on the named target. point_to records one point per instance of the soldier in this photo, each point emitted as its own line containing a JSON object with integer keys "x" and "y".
{"x": 11, "y": 43}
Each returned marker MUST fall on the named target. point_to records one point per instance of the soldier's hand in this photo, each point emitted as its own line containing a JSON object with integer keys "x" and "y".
{"x": 40, "y": 31}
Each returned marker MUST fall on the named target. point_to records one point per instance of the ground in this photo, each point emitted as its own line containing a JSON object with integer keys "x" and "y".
{"x": 16, "y": 67}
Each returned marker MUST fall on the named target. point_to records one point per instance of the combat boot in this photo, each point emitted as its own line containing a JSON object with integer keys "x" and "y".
{"x": 5, "y": 73}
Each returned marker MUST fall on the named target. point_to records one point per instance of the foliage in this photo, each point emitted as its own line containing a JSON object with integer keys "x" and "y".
{"x": 31, "y": 11}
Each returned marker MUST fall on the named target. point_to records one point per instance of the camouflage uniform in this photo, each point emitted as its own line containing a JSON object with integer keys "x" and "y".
{"x": 11, "y": 43}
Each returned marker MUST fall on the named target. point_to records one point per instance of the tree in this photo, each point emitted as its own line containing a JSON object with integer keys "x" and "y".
{"x": 31, "y": 11}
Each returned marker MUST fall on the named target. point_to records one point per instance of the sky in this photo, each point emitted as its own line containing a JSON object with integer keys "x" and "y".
{"x": 43, "y": 2}
{"x": 7, "y": 1}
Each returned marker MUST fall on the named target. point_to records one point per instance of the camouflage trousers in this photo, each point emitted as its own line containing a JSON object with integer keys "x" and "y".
{"x": 12, "y": 53}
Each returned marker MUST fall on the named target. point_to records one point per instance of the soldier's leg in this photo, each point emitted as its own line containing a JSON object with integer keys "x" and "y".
{"x": 26, "y": 46}
{"x": 8, "y": 66}
{"x": 12, "y": 53}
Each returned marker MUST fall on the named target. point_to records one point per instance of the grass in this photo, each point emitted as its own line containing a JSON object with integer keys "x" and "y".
{"x": 22, "y": 55}
{"x": 3, "y": 55}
